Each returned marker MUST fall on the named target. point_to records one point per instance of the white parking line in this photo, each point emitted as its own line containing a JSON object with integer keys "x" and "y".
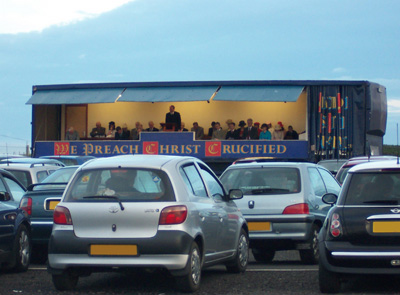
{"x": 279, "y": 269}
{"x": 38, "y": 268}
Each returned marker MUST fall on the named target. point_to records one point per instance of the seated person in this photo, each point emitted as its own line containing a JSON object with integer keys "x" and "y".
{"x": 199, "y": 131}
{"x": 126, "y": 134}
{"x": 241, "y": 132}
{"x": 151, "y": 127}
{"x": 111, "y": 130}
{"x": 118, "y": 133}
{"x": 218, "y": 133}
{"x": 134, "y": 131}
{"x": 72, "y": 134}
{"x": 98, "y": 131}
{"x": 182, "y": 129}
{"x": 265, "y": 134}
{"x": 232, "y": 132}
{"x": 291, "y": 134}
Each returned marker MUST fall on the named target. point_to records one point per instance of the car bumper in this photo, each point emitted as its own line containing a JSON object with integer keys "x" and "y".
{"x": 284, "y": 227}
{"x": 41, "y": 231}
{"x": 344, "y": 257}
{"x": 168, "y": 249}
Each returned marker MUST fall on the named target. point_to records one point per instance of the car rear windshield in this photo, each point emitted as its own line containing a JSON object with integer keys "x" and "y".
{"x": 263, "y": 181}
{"x": 129, "y": 185}
{"x": 374, "y": 188}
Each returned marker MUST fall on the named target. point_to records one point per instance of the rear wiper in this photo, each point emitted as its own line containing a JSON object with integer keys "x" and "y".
{"x": 269, "y": 190}
{"x": 386, "y": 202}
{"x": 107, "y": 197}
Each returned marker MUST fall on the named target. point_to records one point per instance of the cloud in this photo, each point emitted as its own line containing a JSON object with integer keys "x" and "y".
{"x": 393, "y": 105}
{"x": 22, "y": 16}
{"x": 339, "y": 70}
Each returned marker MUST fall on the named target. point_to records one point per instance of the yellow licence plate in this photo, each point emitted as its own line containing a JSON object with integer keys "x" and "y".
{"x": 51, "y": 205}
{"x": 259, "y": 226}
{"x": 114, "y": 250}
{"x": 386, "y": 227}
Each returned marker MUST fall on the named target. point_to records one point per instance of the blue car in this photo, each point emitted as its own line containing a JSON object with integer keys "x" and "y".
{"x": 69, "y": 160}
{"x": 15, "y": 229}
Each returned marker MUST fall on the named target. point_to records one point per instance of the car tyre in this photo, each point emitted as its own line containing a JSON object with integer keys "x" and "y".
{"x": 65, "y": 281}
{"x": 22, "y": 250}
{"x": 329, "y": 282}
{"x": 262, "y": 255}
{"x": 311, "y": 256}
{"x": 191, "y": 281}
{"x": 239, "y": 264}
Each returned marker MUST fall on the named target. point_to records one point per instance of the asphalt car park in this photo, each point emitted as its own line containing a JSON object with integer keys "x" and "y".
{"x": 284, "y": 275}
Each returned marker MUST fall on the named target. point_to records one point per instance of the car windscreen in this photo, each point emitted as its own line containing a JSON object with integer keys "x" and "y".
{"x": 263, "y": 181}
{"x": 374, "y": 188}
{"x": 62, "y": 175}
{"x": 128, "y": 185}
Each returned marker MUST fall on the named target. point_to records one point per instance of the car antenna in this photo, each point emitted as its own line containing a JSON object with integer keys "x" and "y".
{"x": 8, "y": 162}
{"x": 397, "y": 133}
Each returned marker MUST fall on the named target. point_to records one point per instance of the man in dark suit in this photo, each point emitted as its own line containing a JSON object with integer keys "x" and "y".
{"x": 173, "y": 118}
{"x": 98, "y": 131}
{"x": 250, "y": 131}
{"x": 151, "y": 127}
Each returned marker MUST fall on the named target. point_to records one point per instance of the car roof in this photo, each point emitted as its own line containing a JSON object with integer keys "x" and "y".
{"x": 272, "y": 164}
{"x": 66, "y": 157}
{"x": 128, "y": 161}
{"x": 375, "y": 166}
{"x": 32, "y": 162}
{"x": 364, "y": 159}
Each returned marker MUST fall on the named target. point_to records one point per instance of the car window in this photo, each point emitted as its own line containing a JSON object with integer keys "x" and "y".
{"x": 212, "y": 184}
{"x": 23, "y": 176}
{"x": 262, "y": 181}
{"x": 16, "y": 190}
{"x": 2, "y": 186}
{"x": 341, "y": 176}
{"x": 130, "y": 185}
{"x": 41, "y": 175}
{"x": 374, "y": 188}
{"x": 331, "y": 184}
{"x": 61, "y": 175}
{"x": 193, "y": 180}
{"x": 316, "y": 182}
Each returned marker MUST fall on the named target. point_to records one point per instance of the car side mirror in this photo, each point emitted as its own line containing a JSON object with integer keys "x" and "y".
{"x": 235, "y": 194}
{"x": 329, "y": 199}
{"x": 4, "y": 196}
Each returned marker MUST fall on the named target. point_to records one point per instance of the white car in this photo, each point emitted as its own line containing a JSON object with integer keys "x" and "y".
{"x": 140, "y": 211}
{"x": 30, "y": 171}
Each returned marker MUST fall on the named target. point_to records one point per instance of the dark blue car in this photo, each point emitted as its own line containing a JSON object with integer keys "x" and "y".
{"x": 15, "y": 229}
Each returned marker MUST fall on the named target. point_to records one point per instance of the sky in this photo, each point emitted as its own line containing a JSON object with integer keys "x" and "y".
{"x": 62, "y": 42}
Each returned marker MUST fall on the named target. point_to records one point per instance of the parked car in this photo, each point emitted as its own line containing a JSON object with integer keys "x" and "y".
{"x": 342, "y": 173}
{"x": 333, "y": 165}
{"x": 69, "y": 160}
{"x": 39, "y": 202}
{"x": 15, "y": 245}
{"x": 146, "y": 211}
{"x": 282, "y": 205}
{"x": 361, "y": 232}
{"x": 29, "y": 170}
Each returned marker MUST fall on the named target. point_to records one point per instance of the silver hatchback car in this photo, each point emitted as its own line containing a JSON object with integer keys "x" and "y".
{"x": 146, "y": 211}
{"x": 283, "y": 205}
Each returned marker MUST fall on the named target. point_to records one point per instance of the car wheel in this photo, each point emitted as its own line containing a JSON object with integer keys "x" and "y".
{"x": 329, "y": 282}
{"x": 65, "y": 281}
{"x": 241, "y": 259}
{"x": 22, "y": 249}
{"x": 191, "y": 281}
{"x": 262, "y": 255}
{"x": 311, "y": 255}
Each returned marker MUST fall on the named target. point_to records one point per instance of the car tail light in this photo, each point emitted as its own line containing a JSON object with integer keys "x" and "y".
{"x": 173, "y": 215}
{"x": 335, "y": 226}
{"x": 26, "y": 205}
{"x": 62, "y": 215}
{"x": 301, "y": 208}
